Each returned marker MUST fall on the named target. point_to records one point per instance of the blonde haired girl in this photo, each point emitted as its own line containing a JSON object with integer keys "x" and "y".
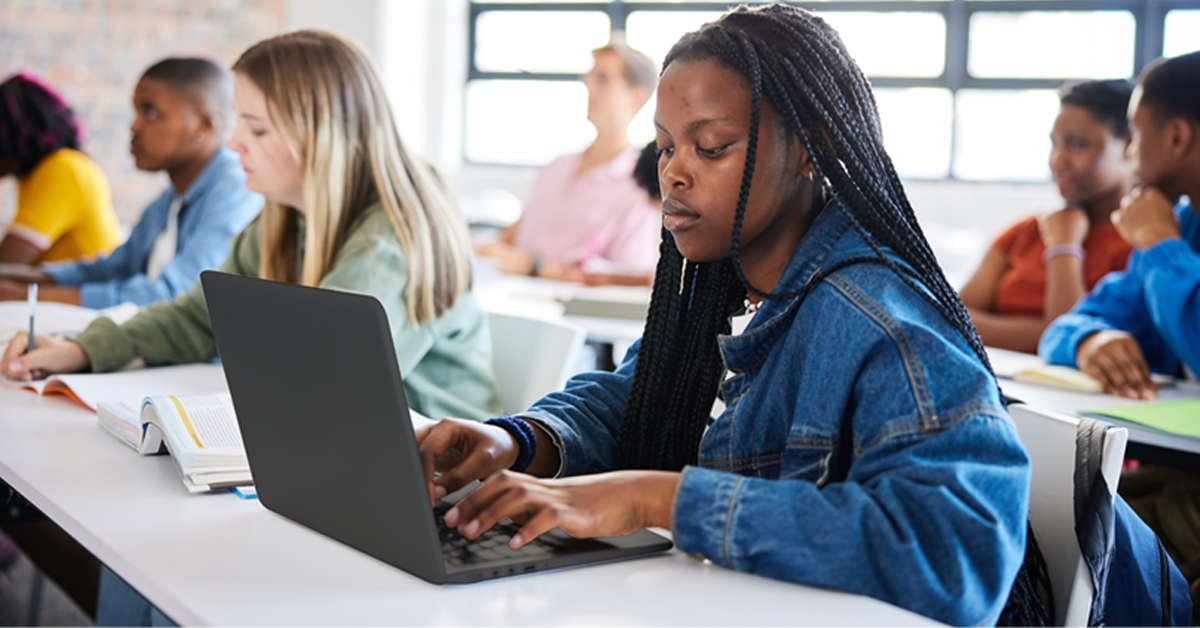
{"x": 347, "y": 207}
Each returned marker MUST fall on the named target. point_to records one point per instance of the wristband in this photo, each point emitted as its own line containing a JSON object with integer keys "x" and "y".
{"x": 535, "y": 267}
{"x": 523, "y": 434}
{"x": 1063, "y": 249}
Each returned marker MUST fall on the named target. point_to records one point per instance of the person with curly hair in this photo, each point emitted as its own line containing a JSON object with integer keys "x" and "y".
{"x": 64, "y": 204}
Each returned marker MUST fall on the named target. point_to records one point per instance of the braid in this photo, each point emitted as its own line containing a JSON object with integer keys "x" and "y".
{"x": 801, "y": 66}
{"x": 755, "y": 76}
{"x": 679, "y": 363}
{"x": 808, "y": 74}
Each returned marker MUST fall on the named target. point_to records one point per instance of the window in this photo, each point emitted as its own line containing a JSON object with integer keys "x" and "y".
{"x": 1051, "y": 44}
{"x": 966, "y": 88}
{"x": 1003, "y": 134}
{"x": 1182, "y": 32}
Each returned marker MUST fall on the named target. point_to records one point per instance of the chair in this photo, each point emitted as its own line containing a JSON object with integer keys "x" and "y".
{"x": 531, "y": 356}
{"x": 1049, "y": 437}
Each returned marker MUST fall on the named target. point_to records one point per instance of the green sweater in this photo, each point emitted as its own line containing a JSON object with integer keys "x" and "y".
{"x": 447, "y": 363}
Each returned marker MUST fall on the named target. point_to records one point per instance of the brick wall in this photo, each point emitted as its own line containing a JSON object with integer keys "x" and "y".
{"x": 93, "y": 51}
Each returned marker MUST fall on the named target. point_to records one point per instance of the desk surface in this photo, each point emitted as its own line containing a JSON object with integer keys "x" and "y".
{"x": 217, "y": 560}
{"x": 529, "y": 296}
{"x": 1069, "y": 402}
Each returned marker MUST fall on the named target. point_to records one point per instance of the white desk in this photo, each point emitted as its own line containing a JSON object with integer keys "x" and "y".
{"x": 1070, "y": 402}
{"x": 529, "y": 296}
{"x": 218, "y": 560}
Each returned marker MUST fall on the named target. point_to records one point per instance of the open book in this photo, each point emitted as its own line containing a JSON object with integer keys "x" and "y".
{"x": 129, "y": 387}
{"x": 200, "y": 432}
{"x": 1024, "y": 367}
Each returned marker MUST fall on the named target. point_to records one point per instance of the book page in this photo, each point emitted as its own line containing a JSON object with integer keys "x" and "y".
{"x": 121, "y": 421}
{"x": 206, "y": 422}
{"x": 132, "y": 386}
{"x": 35, "y": 386}
{"x": 1026, "y": 367}
{"x": 1007, "y": 363}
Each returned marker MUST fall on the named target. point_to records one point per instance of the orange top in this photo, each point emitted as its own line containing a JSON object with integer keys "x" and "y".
{"x": 1021, "y": 290}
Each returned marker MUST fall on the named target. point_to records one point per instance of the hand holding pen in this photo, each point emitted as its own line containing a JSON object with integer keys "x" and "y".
{"x": 33, "y": 288}
{"x": 29, "y": 356}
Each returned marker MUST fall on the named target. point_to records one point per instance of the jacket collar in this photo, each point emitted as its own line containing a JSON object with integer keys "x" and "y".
{"x": 746, "y": 350}
{"x": 222, "y": 161}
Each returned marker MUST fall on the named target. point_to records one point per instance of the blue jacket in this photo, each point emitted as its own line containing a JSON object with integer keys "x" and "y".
{"x": 928, "y": 513}
{"x": 1156, "y": 298}
{"x": 215, "y": 208}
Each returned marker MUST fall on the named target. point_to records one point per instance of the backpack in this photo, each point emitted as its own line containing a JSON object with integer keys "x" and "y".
{"x": 1145, "y": 588}
{"x": 1134, "y": 581}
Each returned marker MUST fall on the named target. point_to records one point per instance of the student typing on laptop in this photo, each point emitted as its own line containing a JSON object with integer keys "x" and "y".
{"x": 347, "y": 207}
{"x": 865, "y": 447}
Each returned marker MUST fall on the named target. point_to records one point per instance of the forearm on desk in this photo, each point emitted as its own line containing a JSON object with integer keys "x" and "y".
{"x": 1008, "y": 332}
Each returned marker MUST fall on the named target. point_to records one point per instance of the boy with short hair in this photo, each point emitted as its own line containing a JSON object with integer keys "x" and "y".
{"x": 1148, "y": 317}
{"x": 184, "y": 114}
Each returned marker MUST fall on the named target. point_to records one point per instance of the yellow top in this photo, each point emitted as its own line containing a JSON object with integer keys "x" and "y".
{"x": 64, "y": 206}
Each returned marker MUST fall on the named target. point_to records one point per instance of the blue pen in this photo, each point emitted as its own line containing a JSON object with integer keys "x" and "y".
{"x": 32, "y": 313}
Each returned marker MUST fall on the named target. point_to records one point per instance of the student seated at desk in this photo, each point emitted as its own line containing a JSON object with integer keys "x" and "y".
{"x": 1038, "y": 268}
{"x": 645, "y": 173}
{"x": 347, "y": 208}
{"x": 184, "y": 114}
{"x": 1148, "y": 317}
{"x": 859, "y": 441}
{"x": 587, "y": 206}
{"x": 64, "y": 205}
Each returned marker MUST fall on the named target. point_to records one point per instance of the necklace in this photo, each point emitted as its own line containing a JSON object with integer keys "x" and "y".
{"x": 751, "y": 307}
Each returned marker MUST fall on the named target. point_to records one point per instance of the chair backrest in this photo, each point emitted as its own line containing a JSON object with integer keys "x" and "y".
{"x": 1049, "y": 437}
{"x": 531, "y": 356}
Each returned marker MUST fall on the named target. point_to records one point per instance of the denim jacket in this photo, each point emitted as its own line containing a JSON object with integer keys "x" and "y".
{"x": 864, "y": 447}
{"x": 216, "y": 207}
{"x": 1156, "y": 298}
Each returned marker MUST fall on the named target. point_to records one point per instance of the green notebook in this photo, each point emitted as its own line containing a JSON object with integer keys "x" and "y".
{"x": 1177, "y": 417}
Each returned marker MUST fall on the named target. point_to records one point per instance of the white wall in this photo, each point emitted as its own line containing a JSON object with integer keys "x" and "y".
{"x": 356, "y": 20}
{"x": 418, "y": 46}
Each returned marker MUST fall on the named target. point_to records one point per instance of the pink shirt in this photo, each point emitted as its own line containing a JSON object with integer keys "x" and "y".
{"x": 602, "y": 214}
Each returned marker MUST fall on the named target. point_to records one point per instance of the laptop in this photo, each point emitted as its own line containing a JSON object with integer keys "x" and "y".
{"x": 322, "y": 410}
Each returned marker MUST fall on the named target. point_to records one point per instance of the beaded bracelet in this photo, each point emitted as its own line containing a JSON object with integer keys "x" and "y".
{"x": 523, "y": 434}
{"x": 1063, "y": 249}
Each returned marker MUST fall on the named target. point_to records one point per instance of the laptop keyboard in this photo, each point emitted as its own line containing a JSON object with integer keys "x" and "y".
{"x": 491, "y": 545}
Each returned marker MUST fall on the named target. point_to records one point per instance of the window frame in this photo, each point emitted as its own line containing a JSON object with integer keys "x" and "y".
{"x": 1149, "y": 32}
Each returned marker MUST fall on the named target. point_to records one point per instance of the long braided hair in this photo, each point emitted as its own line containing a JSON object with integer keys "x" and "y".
{"x": 799, "y": 64}
{"x": 34, "y": 122}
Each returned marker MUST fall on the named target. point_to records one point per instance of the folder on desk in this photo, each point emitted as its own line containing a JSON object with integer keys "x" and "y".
{"x": 1176, "y": 417}
{"x": 609, "y": 302}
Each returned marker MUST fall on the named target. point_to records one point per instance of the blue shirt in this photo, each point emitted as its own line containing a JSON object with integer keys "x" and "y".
{"x": 215, "y": 208}
{"x": 1156, "y": 299}
{"x": 928, "y": 510}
